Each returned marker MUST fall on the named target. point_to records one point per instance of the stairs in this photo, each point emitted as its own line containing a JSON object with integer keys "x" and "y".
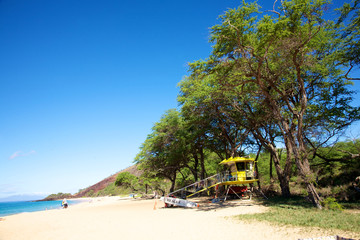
{"x": 210, "y": 182}
{"x": 199, "y": 186}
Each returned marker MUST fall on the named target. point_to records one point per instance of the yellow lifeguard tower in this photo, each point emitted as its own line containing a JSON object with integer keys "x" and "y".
{"x": 240, "y": 172}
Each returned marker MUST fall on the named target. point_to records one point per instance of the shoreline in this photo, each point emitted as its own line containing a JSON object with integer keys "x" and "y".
{"x": 115, "y": 217}
{"x": 15, "y": 209}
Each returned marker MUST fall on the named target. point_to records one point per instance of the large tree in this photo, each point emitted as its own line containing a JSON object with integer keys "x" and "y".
{"x": 277, "y": 72}
{"x": 209, "y": 95}
{"x": 163, "y": 152}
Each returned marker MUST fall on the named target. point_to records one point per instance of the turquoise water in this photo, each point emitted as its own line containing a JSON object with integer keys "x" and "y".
{"x": 10, "y": 208}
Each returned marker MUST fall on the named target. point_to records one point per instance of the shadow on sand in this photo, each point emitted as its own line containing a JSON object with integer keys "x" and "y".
{"x": 206, "y": 205}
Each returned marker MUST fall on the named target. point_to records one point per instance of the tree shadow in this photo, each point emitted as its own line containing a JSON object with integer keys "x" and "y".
{"x": 207, "y": 205}
{"x": 293, "y": 202}
{"x": 224, "y": 205}
{"x": 289, "y": 202}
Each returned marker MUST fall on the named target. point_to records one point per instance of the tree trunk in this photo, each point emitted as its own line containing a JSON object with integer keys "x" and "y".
{"x": 256, "y": 167}
{"x": 202, "y": 163}
{"x": 271, "y": 170}
{"x": 284, "y": 185}
{"x": 314, "y": 196}
{"x": 196, "y": 164}
{"x": 300, "y": 153}
{"x": 307, "y": 177}
{"x": 282, "y": 175}
{"x": 172, "y": 185}
{"x": 173, "y": 180}
{"x": 302, "y": 163}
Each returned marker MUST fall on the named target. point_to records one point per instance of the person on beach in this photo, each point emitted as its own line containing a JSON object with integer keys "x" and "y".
{"x": 155, "y": 197}
{"x": 64, "y": 203}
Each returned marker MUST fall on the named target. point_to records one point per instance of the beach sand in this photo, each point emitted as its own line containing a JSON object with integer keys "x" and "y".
{"x": 115, "y": 218}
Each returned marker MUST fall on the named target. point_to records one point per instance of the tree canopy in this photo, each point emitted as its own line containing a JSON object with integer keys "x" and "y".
{"x": 274, "y": 78}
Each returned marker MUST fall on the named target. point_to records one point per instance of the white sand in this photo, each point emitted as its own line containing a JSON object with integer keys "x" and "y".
{"x": 113, "y": 218}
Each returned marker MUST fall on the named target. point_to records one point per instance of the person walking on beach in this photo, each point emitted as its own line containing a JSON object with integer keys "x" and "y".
{"x": 64, "y": 203}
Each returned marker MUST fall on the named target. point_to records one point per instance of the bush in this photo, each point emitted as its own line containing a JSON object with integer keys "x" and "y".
{"x": 331, "y": 204}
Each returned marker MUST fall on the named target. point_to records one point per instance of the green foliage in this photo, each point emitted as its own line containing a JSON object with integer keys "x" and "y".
{"x": 271, "y": 79}
{"x": 163, "y": 150}
{"x": 212, "y": 163}
{"x": 128, "y": 180}
{"x": 297, "y": 212}
{"x": 151, "y": 182}
{"x": 111, "y": 190}
{"x": 338, "y": 164}
{"x": 273, "y": 76}
{"x": 331, "y": 204}
{"x": 175, "y": 150}
{"x": 336, "y": 168}
{"x": 264, "y": 166}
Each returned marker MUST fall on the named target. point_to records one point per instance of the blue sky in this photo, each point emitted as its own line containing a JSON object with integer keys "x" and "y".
{"x": 82, "y": 83}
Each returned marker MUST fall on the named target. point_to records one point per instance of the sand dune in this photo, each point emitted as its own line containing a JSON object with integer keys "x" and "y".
{"x": 115, "y": 218}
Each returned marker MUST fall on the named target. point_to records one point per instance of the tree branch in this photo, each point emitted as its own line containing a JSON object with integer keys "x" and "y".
{"x": 346, "y": 75}
{"x": 353, "y": 155}
{"x": 273, "y": 10}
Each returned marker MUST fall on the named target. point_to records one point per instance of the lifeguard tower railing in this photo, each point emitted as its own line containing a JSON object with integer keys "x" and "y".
{"x": 224, "y": 178}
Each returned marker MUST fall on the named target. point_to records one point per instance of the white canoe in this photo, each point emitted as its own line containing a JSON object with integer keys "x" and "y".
{"x": 179, "y": 202}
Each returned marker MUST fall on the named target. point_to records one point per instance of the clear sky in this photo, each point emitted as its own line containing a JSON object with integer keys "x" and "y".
{"x": 82, "y": 82}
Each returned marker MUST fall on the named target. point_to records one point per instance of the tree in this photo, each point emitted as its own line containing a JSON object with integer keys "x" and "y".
{"x": 210, "y": 96}
{"x": 272, "y": 74}
{"x": 128, "y": 180}
{"x": 155, "y": 183}
{"x": 163, "y": 150}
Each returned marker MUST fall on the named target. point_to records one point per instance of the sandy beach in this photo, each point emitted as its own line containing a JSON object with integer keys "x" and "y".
{"x": 116, "y": 218}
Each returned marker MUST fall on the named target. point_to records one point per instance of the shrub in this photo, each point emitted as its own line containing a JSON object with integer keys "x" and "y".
{"x": 331, "y": 204}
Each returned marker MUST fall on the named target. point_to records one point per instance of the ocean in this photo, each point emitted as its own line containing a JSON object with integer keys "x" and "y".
{"x": 10, "y": 208}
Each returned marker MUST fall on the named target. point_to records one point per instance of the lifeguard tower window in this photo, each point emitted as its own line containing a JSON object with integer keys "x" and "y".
{"x": 240, "y": 166}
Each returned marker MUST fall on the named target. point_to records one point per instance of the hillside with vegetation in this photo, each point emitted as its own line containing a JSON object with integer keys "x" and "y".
{"x": 107, "y": 186}
{"x": 57, "y": 196}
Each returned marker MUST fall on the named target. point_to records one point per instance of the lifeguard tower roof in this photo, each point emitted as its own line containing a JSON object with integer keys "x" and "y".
{"x": 237, "y": 159}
